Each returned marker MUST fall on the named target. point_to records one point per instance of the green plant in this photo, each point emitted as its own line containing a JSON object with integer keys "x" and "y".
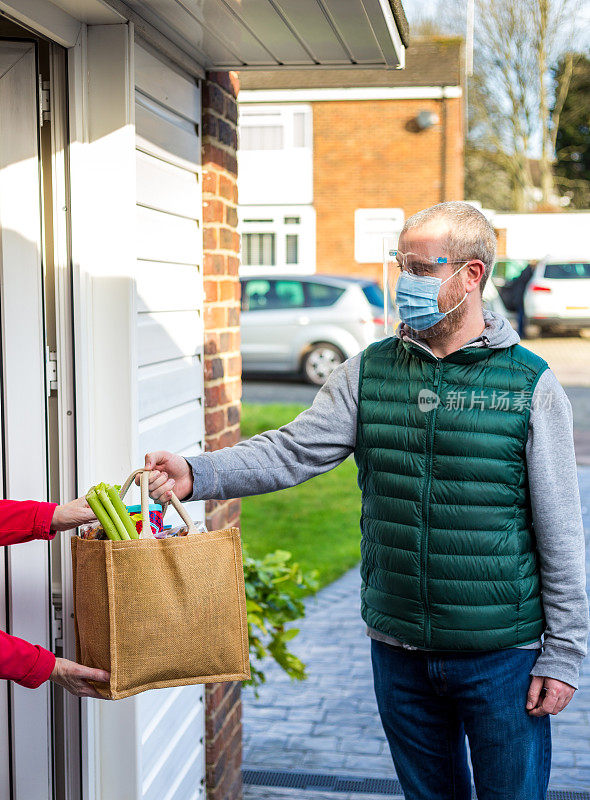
{"x": 274, "y": 596}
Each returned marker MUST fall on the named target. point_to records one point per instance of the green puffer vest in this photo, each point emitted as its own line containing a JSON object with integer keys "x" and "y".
{"x": 448, "y": 547}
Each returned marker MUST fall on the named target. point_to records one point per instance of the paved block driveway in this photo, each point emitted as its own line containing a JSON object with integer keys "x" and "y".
{"x": 330, "y": 723}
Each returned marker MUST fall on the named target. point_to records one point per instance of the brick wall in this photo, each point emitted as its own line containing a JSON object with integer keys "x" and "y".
{"x": 370, "y": 154}
{"x": 223, "y": 385}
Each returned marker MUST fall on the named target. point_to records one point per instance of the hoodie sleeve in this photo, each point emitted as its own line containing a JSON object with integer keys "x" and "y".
{"x": 557, "y": 518}
{"x": 316, "y": 441}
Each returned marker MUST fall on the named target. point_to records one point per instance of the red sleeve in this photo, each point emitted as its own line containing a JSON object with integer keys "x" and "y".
{"x": 25, "y": 521}
{"x": 27, "y": 664}
{"x": 22, "y": 662}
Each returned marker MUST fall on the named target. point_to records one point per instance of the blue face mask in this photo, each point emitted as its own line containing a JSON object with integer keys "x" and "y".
{"x": 417, "y": 299}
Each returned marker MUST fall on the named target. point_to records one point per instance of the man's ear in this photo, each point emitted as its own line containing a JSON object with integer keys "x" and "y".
{"x": 475, "y": 271}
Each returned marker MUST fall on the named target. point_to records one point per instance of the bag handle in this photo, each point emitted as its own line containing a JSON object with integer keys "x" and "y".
{"x": 145, "y": 503}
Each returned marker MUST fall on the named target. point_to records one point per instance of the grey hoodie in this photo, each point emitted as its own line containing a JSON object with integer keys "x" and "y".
{"x": 322, "y": 436}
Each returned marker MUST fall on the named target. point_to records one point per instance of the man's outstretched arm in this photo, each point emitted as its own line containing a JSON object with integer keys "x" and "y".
{"x": 557, "y": 517}
{"x": 316, "y": 441}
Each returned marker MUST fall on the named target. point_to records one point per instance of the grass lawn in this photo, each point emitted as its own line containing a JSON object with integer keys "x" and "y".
{"x": 317, "y": 521}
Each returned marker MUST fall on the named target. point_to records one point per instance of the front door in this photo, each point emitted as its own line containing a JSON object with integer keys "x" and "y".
{"x": 25, "y": 714}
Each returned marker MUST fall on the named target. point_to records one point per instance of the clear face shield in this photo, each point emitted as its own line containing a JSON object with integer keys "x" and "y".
{"x": 390, "y": 275}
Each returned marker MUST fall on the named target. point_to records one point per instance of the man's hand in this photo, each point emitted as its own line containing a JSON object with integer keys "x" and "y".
{"x": 74, "y": 677}
{"x": 552, "y": 701}
{"x": 167, "y": 472}
{"x": 70, "y": 515}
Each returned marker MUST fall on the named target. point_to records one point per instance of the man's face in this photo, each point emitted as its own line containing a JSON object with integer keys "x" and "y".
{"x": 430, "y": 241}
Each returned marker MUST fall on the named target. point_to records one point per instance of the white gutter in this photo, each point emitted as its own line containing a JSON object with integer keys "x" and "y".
{"x": 352, "y": 93}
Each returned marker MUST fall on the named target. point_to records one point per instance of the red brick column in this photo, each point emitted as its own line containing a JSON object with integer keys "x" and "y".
{"x": 223, "y": 385}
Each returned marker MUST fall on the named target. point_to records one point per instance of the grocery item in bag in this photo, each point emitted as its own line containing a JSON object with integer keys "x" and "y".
{"x": 155, "y": 512}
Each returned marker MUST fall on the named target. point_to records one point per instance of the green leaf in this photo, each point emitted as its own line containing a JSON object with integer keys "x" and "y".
{"x": 272, "y": 588}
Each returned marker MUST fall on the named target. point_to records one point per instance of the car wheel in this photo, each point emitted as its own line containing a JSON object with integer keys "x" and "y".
{"x": 539, "y": 331}
{"x": 320, "y": 362}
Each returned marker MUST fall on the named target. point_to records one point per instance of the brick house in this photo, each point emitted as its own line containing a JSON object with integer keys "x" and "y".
{"x": 330, "y": 161}
{"x": 120, "y": 326}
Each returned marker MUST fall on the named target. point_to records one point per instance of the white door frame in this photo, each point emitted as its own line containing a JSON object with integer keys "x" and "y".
{"x": 102, "y": 154}
{"x": 66, "y": 411}
{"x": 24, "y": 400}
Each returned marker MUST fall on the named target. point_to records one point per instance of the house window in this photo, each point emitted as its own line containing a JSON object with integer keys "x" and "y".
{"x": 262, "y": 137}
{"x": 279, "y": 238}
{"x": 275, "y": 155}
{"x": 292, "y": 247}
{"x": 283, "y": 128}
{"x": 371, "y": 225}
{"x": 259, "y": 249}
{"x": 300, "y": 129}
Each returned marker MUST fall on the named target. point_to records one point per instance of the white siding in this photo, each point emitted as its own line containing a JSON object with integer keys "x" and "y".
{"x": 170, "y": 367}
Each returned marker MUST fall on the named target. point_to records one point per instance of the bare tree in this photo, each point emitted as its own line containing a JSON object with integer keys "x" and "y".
{"x": 501, "y": 111}
{"x": 551, "y": 21}
{"x": 514, "y": 108}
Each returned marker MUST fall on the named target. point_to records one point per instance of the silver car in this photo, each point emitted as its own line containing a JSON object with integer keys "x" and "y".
{"x": 307, "y": 324}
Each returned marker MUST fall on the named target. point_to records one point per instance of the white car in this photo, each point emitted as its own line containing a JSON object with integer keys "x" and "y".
{"x": 558, "y": 294}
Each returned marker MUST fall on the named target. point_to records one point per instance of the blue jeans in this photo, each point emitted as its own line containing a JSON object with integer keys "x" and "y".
{"x": 429, "y": 701}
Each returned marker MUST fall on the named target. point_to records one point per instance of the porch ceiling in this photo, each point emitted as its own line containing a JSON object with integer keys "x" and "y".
{"x": 243, "y": 34}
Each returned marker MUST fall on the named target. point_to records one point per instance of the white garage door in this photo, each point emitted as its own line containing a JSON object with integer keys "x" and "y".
{"x": 170, "y": 364}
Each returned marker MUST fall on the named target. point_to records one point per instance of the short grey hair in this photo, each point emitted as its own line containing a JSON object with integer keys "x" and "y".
{"x": 471, "y": 236}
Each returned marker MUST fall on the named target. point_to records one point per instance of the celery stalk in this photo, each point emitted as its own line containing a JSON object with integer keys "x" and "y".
{"x": 102, "y": 515}
{"x": 122, "y": 512}
{"x": 109, "y": 508}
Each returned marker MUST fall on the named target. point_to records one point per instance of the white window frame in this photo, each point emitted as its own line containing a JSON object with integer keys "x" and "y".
{"x": 271, "y": 219}
{"x": 368, "y": 244}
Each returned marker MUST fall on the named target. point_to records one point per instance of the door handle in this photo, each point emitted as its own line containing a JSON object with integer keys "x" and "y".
{"x": 303, "y": 320}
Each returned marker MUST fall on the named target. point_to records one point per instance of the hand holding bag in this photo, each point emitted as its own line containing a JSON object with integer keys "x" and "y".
{"x": 161, "y": 612}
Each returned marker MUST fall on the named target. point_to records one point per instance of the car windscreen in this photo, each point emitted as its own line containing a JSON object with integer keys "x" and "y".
{"x": 570, "y": 269}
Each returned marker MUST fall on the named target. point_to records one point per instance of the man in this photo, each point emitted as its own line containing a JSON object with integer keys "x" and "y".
{"x": 470, "y": 506}
{"x": 516, "y": 290}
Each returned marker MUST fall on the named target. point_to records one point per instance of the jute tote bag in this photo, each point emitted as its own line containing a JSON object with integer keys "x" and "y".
{"x": 161, "y": 612}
